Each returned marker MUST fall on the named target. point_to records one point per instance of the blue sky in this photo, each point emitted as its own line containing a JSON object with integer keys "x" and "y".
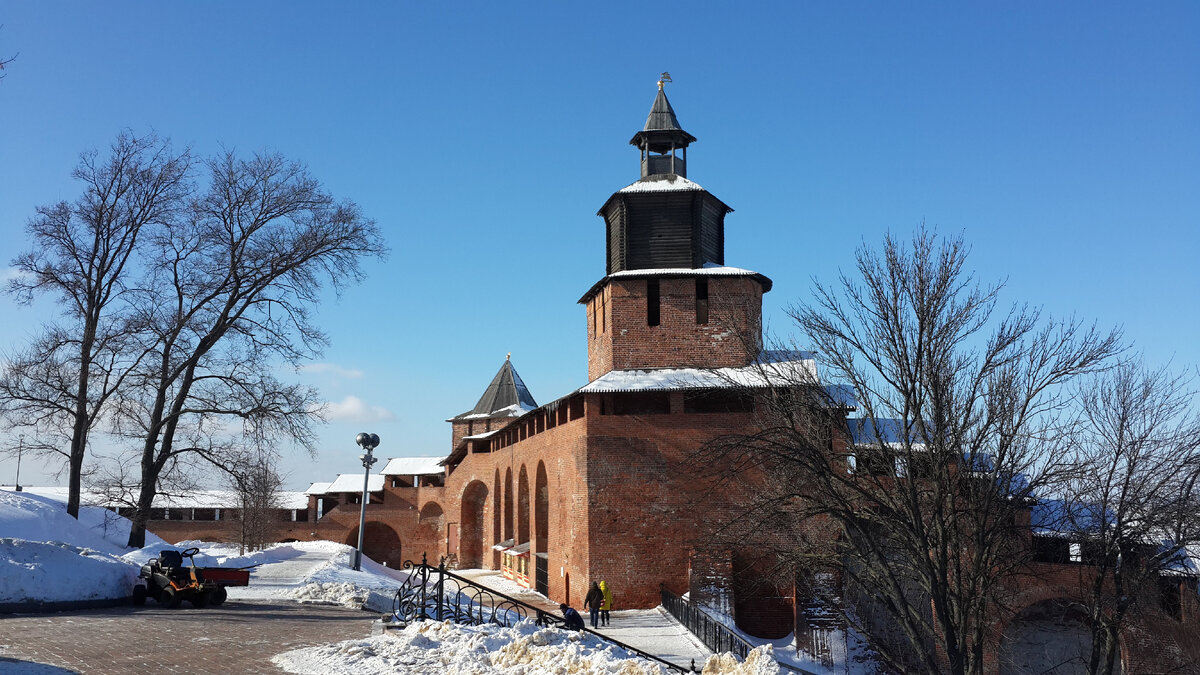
{"x": 1061, "y": 139}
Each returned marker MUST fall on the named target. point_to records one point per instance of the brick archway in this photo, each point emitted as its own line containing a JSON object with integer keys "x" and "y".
{"x": 1051, "y": 636}
{"x": 541, "y": 509}
{"x": 380, "y": 543}
{"x": 523, "y": 515}
{"x": 497, "y": 525}
{"x": 508, "y": 505}
{"x": 541, "y": 530}
{"x": 470, "y": 541}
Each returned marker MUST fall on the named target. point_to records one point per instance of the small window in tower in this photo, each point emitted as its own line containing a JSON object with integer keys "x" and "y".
{"x": 652, "y": 302}
{"x": 642, "y": 403}
{"x": 702, "y": 301}
{"x": 717, "y": 401}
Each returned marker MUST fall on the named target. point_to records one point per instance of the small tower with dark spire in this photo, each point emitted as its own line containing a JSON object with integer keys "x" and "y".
{"x": 506, "y": 397}
{"x": 662, "y": 139}
{"x": 663, "y": 220}
{"x": 667, "y": 299}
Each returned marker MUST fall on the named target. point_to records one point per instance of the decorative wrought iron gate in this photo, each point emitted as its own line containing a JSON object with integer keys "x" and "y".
{"x": 434, "y": 593}
{"x": 440, "y": 595}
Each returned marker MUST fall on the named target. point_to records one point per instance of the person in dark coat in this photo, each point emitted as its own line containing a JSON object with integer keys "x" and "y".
{"x": 572, "y": 619}
{"x": 593, "y": 600}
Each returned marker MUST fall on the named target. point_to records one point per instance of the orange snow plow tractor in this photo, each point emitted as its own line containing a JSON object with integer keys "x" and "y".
{"x": 170, "y": 582}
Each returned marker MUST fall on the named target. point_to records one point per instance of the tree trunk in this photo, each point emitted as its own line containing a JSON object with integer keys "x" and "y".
{"x": 79, "y": 430}
{"x": 141, "y": 515}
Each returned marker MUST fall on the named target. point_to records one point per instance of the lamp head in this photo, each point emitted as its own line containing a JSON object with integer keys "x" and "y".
{"x": 367, "y": 441}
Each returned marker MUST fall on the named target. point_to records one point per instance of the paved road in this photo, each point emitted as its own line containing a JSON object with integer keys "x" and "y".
{"x": 237, "y": 637}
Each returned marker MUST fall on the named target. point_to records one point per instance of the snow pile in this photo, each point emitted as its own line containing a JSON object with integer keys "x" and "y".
{"x": 57, "y": 572}
{"x": 48, "y": 556}
{"x": 760, "y": 661}
{"x": 36, "y": 518}
{"x": 431, "y": 647}
{"x": 338, "y": 593}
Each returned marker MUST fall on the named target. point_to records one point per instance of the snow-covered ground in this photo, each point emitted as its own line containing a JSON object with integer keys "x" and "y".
{"x": 39, "y": 543}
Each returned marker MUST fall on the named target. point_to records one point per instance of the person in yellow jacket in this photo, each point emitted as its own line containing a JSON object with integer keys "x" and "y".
{"x": 607, "y": 605}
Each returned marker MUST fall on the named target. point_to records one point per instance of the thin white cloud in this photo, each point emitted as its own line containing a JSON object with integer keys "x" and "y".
{"x": 354, "y": 409}
{"x": 10, "y": 273}
{"x": 331, "y": 369}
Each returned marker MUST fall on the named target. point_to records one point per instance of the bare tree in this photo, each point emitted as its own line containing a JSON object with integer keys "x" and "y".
{"x": 915, "y": 506}
{"x": 231, "y": 297}
{"x": 4, "y": 61}
{"x": 1135, "y": 510}
{"x": 82, "y": 253}
{"x": 257, "y": 483}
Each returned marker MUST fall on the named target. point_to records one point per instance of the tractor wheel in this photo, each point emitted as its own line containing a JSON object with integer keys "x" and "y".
{"x": 218, "y": 596}
{"x": 139, "y": 596}
{"x": 169, "y": 597}
{"x": 200, "y": 599}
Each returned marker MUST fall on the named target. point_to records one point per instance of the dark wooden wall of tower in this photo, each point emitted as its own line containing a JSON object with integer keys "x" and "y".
{"x": 669, "y": 229}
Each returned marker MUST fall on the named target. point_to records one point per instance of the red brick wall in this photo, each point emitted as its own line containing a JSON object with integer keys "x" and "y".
{"x": 647, "y": 461}
{"x": 561, "y": 450}
{"x": 175, "y": 531}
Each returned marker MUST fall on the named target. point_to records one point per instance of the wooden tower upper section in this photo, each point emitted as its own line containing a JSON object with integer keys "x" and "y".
{"x": 664, "y": 220}
{"x": 667, "y": 299}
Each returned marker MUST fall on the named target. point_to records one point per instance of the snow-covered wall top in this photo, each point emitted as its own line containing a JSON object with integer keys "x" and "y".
{"x": 353, "y": 482}
{"x": 195, "y": 499}
{"x": 412, "y": 466}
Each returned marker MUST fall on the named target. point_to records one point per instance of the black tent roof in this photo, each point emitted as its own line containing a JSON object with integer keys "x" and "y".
{"x": 505, "y": 391}
{"x": 662, "y": 127}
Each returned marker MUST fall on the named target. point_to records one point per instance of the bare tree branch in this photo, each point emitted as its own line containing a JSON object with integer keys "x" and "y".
{"x": 915, "y": 505}
{"x": 232, "y": 293}
{"x": 81, "y": 254}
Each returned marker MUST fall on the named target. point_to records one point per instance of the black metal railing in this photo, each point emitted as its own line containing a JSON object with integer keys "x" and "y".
{"x": 435, "y": 593}
{"x": 714, "y": 634}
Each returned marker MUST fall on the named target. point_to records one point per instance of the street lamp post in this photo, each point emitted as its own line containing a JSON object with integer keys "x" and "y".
{"x": 20, "y": 451}
{"x": 368, "y": 442}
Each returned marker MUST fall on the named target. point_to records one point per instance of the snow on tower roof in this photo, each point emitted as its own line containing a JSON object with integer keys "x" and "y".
{"x": 708, "y": 270}
{"x": 662, "y": 182}
{"x": 792, "y": 369}
{"x": 412, "y": 466}
{"x": 353, "y": 482}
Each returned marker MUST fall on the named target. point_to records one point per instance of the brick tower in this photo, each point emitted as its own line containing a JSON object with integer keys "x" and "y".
{"x": 667, "y": 299}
